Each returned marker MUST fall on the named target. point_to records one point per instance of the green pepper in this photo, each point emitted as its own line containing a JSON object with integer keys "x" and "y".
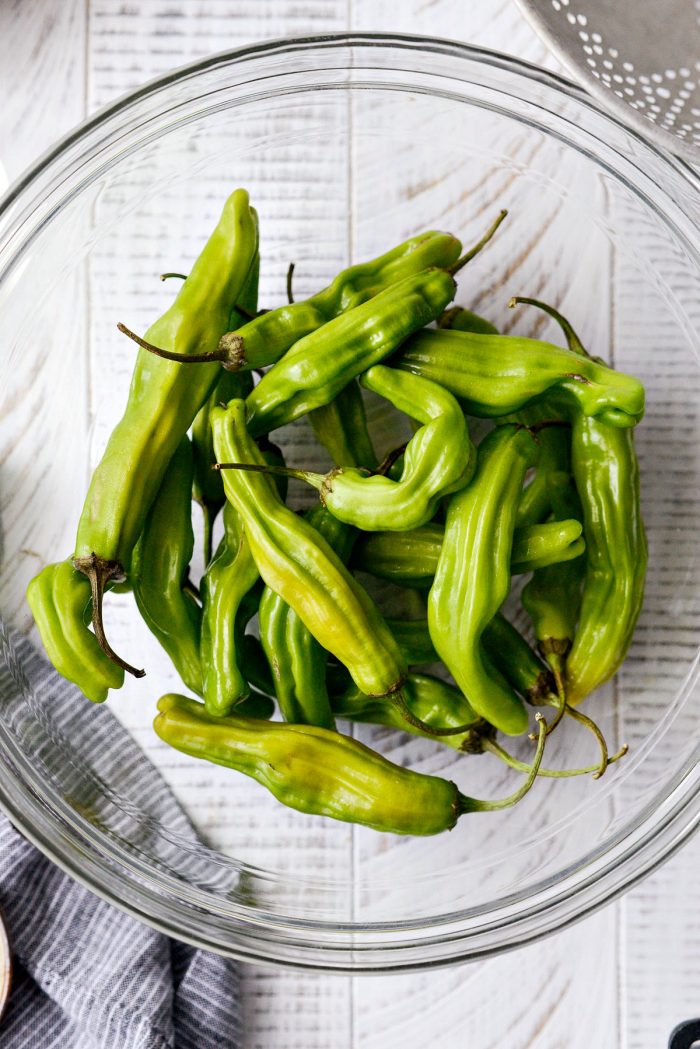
{"x": 504, "y": 645}
{"x": 438, "y": 460}
{"x": 208, "y": 489}
{"x": 297, "y": 660}
{"x": 472, "y": 578}
{"x": 495, "y": 375}
{"x": 227, "y": 580}
{"x": 265, "y": 339}
{"x": 428, "y": 697}
{"x": 459, "y": 319}
{"x": 410, "y": 558}
{"x": 60, "y": 598}
{"x": 318, "y": 366}
{"x": 299, "y": 565}
{"x": 163, "y": 401}
{"x": 160, "y": 565}
{"x": 341, "y": 427}
{"x": 510, "y": 653}
{"x": 606, "y": 473}
{"x": 324, "y": 773}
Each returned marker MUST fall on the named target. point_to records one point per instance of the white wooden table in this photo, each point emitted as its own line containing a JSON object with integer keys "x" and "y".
{"x": 619, "y": 980}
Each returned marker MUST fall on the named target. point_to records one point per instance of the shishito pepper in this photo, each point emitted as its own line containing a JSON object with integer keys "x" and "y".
{"x": 163, "y": 401}
{"x": 207, "y": 487}
{"x": 438, "y": 459}
{"x": 322, "y": 772}
{"x": 473, "y": 574}
{"x": 299, "y": 565}
{"x": 60, "y": 600}
{"x": 160, "y": 566}
{"x": 496, "y": 375}
{"x": 410, "y": 558}
{"x": 606, "y": 473}
{"x": 317, "y": 367}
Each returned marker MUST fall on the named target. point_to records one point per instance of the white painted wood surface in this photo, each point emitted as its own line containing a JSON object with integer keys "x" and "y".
{"x": 622, "y": 978}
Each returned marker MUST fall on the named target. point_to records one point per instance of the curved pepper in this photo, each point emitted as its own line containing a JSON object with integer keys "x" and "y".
{"x": 606, "y": 473}
{"x": 299, "y": 565}
{"x": 473, "y": 574}
{"x": 163, "y": 401}
{"x": 439, "y": 459}
{"x": 324, "y": 773}
{"x": 59, "y": 598}
{"x": 159, "y": 569}
{"x": 265, "y": 339}
{"x": 495, "y": 375}
{"x": 318, "y": 366}
{"x": 341, "y": 427}
{"x": 411, "y": 558}
{"x": 208, "y": 488}
{"x": 229, "y": 577}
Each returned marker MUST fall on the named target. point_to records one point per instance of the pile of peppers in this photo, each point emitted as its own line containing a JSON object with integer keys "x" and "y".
{"x": 281, "y": 617}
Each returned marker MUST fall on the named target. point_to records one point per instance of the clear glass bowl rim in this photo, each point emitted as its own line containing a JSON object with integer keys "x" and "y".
{"x": 251, "y": 934}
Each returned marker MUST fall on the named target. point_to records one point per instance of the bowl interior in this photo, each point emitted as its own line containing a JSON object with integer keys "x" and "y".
{"x": 342, "y": 163}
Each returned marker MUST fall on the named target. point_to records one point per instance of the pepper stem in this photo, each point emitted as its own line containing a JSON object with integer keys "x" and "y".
{"x": 100, "y": 572}
{"x": 521, "y": 766}
{"x": 290, "y": 276}
{"x": 400, "y": 703}
{"x": 167, "y": 276}
{"x": 389, "y": 459}
{"x": 229, "y": 353}
{"x": 466, "y": 804}
{"x": 314, "y": 479}
{"x": 469, "y": 255}
{"x": 590, "y": 724}
{"x": 572, "y": 339}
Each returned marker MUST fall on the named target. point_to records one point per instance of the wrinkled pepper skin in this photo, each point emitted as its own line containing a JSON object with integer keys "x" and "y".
{"x": 606, "y": 475}
{"x": 208, "y": 488}
{"x": 299, "y": 565}
{"x": 160, "y": 565}
{"x": 504, "y": 645}
{"x": 411, "y": 558}
{"x": 318, "y": 366}
{"x": 227, "y": 580}
{"x": 439, "y": 459}
{"x": 523, "y": 670}
{"x": 313, "y": 769}
{"x": 460, "y": 319}
{"x": 297, "y": 660}
{"x": 429, "y": 698}
{"x": 165, "y": 396}
{"x": 60, "y": 599}
{"x": 552, "y": 598}
{"x": 268, "y": 337}
{"x": 495, "y": 375}
{"x": 606, "y": 472}
{"x": 472, "y": 579}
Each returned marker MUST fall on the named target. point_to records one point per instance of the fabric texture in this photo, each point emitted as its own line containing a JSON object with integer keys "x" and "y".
{"x": 87, "y": 976}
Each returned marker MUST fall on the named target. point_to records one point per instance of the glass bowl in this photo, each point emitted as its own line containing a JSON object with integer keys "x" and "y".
{"x": 349, "y": 144}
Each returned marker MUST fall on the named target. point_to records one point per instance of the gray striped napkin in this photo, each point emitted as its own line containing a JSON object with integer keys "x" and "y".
{"x": 87, "y": 976}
